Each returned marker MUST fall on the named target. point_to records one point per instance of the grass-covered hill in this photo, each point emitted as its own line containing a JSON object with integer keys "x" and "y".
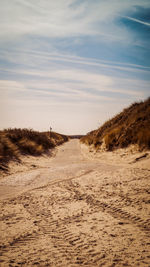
{"x": 17, "y": 142}
{"x": 131, "y": 126}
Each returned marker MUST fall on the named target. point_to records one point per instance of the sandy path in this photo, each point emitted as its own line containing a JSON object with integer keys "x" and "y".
{"x": 73, "y": 211}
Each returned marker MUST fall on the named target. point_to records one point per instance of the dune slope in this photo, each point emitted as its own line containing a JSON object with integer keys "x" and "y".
{"x": 131, "y": 126}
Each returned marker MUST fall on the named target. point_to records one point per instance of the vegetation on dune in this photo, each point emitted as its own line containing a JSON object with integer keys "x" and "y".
{"x": 57, "y": 139}
{"x": 131, "y": 126}
{"x": 14, "y": 142}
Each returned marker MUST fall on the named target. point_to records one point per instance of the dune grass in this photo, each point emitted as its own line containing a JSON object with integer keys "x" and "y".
{"x": 131, "y": 126}
{"x": 17, "y": 142}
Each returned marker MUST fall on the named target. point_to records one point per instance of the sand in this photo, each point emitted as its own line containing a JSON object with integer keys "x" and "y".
{"x": 76, "y": 208}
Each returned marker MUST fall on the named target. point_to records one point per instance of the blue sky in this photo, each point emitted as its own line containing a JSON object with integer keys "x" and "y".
{"x": 72, "y": 64}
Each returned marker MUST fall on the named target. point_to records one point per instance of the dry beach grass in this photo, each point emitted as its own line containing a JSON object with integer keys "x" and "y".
{"x": 131, "y": 126}
{"x": 16, "y": 142}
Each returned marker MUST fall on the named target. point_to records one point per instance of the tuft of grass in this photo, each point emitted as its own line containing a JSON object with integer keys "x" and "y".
{"x": 58, "y": 139}
{"x": 14, "y": 142}
{"x": 131, "y": 126}
{"x": 7, "y": 149}
{"x": 27, "y": 146}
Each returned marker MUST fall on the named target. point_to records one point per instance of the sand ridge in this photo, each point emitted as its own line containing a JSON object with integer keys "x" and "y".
{"x": 76, "y": 209}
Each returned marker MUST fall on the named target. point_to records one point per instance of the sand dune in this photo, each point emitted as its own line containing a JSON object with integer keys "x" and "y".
{"x": 76, "y": 208}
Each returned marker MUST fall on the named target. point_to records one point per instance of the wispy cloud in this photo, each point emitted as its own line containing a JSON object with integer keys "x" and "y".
{"x": 11, "y": 85}
{"x": 63, "y": 18}
{"x": 30, "y": 56}
{"x": 74, "y": 84}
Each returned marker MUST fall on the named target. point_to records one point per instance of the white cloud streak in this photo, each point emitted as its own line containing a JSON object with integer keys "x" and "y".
{"x": 137, "y": 20}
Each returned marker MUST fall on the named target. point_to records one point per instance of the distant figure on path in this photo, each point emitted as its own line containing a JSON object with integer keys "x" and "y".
{"x": 50, "y": 131}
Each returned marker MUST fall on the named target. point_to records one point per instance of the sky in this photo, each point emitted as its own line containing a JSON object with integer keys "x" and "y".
{"x": 72, "y": 64}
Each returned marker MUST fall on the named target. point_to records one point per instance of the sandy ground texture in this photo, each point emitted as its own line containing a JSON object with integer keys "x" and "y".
{"x": 76, "y": 208}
